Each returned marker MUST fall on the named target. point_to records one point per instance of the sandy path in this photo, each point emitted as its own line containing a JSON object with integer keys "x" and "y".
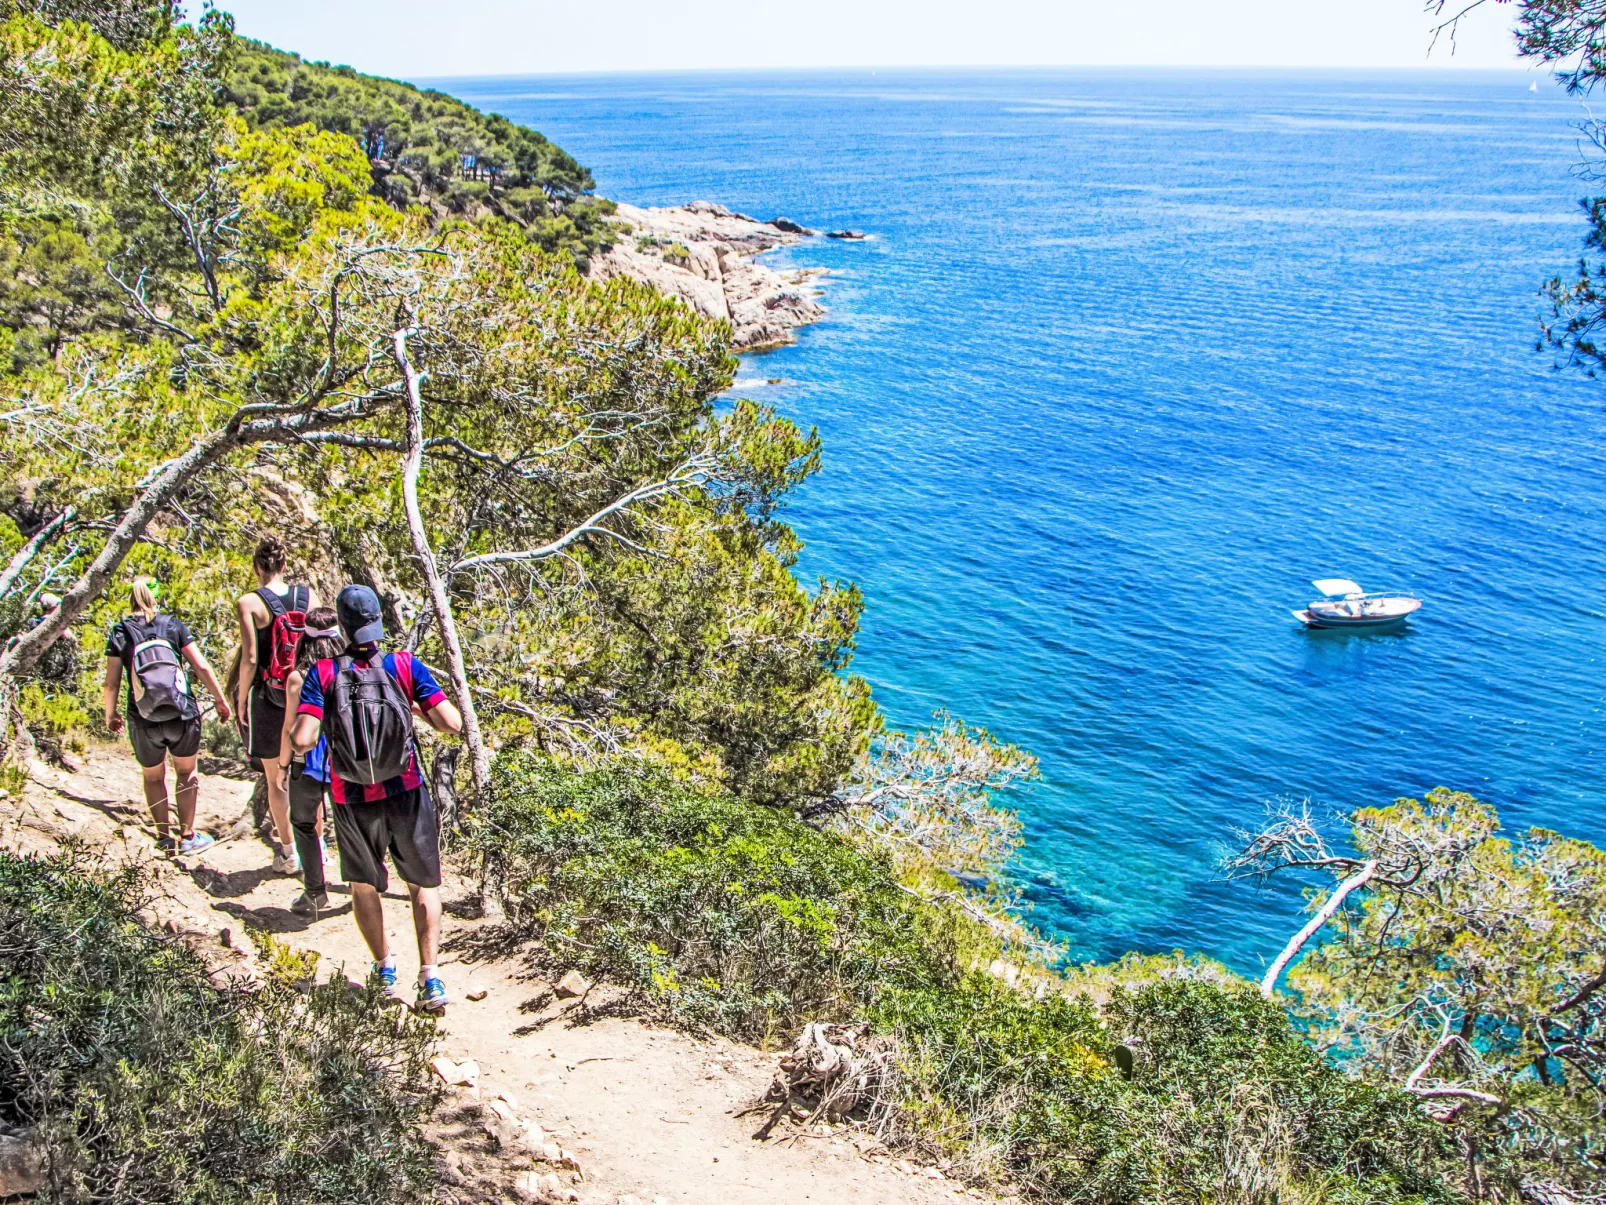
{"x": 648, "y": 1111}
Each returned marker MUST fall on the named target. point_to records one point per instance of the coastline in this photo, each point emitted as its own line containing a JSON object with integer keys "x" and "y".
{"x": 704, "y": 254}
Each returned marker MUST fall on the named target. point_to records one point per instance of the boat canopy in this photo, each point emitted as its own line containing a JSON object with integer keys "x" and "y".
{"x": 1337, "y": 585}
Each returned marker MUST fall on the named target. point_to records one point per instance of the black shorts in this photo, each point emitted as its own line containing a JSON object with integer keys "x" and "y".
{"x": 266, "y": 735}
{"x": 403, "y": 826}
{"x": 154, "y": 740}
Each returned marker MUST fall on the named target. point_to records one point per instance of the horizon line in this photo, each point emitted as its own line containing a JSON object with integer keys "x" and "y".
{"x": 870, "y": 70}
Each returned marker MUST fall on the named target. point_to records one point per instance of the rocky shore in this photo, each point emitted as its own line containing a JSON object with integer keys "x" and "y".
{"x": 703, "y": 253}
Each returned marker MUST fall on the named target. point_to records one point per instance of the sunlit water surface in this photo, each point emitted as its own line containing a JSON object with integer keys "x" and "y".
{"x": 1128, "y": 360}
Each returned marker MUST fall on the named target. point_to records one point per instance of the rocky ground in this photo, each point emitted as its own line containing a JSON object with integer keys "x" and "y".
{"x": 561, "y": 1094}
{"x": 703, "y": 253}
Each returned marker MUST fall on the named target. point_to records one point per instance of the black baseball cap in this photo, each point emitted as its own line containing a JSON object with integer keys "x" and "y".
{"x": 358, "y": 610}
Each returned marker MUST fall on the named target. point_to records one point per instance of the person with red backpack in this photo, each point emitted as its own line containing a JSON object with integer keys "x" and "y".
{"x": 362, "y": 704}
{"x": 152, "y": 651}
{"x": 272, "y": 618}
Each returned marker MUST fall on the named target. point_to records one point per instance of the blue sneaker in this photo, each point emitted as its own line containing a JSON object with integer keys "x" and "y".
{"x": 388, "y": 981}
{"x": 196, "y": 842}
{"x": 432, "y": 996}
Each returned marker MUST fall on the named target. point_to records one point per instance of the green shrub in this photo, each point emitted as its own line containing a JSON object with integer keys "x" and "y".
{"x": 749, "y": 921}
{"x": 148, "y": 1084}
{"x": 739, "y": 918}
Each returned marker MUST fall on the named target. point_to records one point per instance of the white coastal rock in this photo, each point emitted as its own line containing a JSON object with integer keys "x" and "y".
{"x": 716, "y": 275}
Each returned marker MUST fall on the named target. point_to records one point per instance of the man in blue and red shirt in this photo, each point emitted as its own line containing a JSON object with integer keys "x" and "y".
{"x": 396, "y": 816}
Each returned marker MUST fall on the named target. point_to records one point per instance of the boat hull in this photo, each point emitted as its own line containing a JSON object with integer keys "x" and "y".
{"x": 1359, "y": 613}
{"x": 1369, "y": 623}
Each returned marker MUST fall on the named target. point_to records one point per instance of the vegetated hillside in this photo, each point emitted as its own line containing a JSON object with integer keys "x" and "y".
{"x": 426, "y": 147}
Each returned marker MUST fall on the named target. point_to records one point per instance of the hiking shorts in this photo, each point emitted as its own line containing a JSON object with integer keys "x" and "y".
{"x": 265, "y": 734}
{"x": 154, "y": 740}
{"x": 403, "y": 826}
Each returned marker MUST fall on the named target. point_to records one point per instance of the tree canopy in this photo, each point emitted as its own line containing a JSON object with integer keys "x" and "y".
{"x": 217, "y": 324}
{"x": 425, "y": 147}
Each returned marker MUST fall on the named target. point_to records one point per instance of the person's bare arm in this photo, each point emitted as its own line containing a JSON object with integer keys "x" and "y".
{"x": 304, "y": 733}
{"x": 443, "y": 717}
{"x": 109, "y": 691}
{"x": 203, "y": 671}
{"x": 248, "y": 654}
{"x": 292, "y": 700}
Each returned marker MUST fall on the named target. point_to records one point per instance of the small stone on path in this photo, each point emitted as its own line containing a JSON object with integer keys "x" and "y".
{"x": 571, "y": 985}
{"x": 466, "y": 1073}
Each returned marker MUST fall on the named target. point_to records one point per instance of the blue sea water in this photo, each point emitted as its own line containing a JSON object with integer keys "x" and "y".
{"x": 1129, "y": 359}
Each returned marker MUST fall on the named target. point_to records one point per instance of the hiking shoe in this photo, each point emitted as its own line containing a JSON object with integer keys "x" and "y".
{"x": 310, "y": 903}
{"x": 196, "y": 842}
{"x": 432, "y": 997}
{"x": 166, "y": 845}
{"x": 388, "y": 981}
{"x": 286, "y": 862}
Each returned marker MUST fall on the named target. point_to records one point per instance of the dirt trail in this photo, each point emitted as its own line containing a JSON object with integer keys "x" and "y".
{"x": 649, "y": 1112}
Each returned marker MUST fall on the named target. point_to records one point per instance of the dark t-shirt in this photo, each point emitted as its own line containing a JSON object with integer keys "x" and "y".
{"x": 120, "y": 644}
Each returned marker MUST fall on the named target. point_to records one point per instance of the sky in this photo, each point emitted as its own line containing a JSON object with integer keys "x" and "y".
{"x": 426, "y": 38}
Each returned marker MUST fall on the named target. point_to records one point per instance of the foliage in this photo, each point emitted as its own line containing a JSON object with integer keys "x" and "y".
{"x": 1472, "y": 976}
{"x": 1569, "y": 35}
{"x": 425, "y": 147}
{"x": 751, "y": 922}
{"x": 148, "y": 1084}
{"x": 740, "y": 918}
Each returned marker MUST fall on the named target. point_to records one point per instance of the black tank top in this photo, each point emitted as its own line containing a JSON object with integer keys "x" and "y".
{"x": 265, "y": 634}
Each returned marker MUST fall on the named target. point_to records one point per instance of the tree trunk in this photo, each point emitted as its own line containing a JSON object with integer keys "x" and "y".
{"x": 443, "y": 786}
{"x": 22, "y": 653}
{"x": 1359, "y": 879}
{"x": 412, "y": 464}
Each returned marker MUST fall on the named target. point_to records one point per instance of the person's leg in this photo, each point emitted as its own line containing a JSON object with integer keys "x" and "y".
{"x": 279, "y": 801}
{"x": 265, "y": 744}
{"x": 186, "y": 790}
{"x": 415, "y": 848}
{"x": 363, "y": 837}
{"x": 155, "y": 783}
{"x": 426, "y": 922}
{"x": 369, "y": 909}
{"x": 306, "y": 811}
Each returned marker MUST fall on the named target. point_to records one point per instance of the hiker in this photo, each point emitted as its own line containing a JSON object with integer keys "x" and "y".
{"x": 151, "y": 650}
{"x": 309, "y": 775}
{"x": 271, "y": 617}
{"x": 362, "y": 702}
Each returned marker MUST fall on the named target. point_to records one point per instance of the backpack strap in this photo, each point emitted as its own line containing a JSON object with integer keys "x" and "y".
{"x": 300, "y": 596}
{"x": 272, "y": 601}
{"x": 403, "y": 661}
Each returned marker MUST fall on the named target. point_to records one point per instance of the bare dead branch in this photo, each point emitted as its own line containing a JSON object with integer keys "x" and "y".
{"x": 1297, "y": 942}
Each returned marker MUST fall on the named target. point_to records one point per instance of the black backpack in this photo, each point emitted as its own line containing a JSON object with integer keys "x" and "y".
{"x": 156, "y": 675}
{"x": 368, "y": 723}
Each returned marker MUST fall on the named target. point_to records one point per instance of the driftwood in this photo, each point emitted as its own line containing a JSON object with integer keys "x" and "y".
{"x": 834, "y": 1072}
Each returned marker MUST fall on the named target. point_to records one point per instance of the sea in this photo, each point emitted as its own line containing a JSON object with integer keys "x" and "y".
{"x": 1126, "y": 360}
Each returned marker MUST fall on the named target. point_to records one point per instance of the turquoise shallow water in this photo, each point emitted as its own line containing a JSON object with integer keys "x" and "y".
{"x": 1129, "y": 359}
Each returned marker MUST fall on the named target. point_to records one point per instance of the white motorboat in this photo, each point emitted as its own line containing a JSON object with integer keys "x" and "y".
{"x": 1347, "y": 606}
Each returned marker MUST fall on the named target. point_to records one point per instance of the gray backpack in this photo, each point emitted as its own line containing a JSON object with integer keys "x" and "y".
{"x": 156, "y": 673}
{"x": 367, "y": 721}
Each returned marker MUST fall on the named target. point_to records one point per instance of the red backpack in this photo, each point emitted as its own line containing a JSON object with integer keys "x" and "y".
{"x": 284, "y": 633}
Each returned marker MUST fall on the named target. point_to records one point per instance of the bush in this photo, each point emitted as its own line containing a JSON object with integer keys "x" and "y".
{"x": 749, "y": 921}
{"x": 147, "y": 1084}
{"x": 737, "y": 917}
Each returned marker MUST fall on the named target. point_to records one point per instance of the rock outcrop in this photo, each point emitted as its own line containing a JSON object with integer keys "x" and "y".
{"x": 703, "y": 253}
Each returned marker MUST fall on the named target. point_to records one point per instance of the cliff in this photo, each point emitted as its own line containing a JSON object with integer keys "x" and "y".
{"x": 703, "y": 253}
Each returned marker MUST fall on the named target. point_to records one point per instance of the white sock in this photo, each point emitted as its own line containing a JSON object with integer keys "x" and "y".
{"x": 389, "y": 963}
{"x": 426, "y": 973}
